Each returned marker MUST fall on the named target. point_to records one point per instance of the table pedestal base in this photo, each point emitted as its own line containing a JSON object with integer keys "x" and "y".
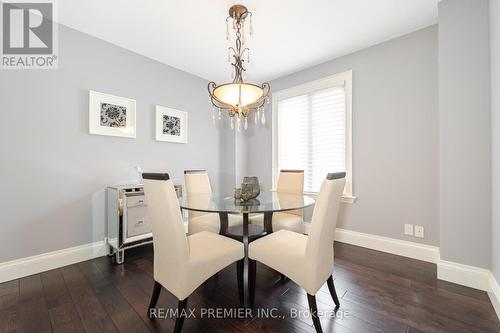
{"x": 245, "y": 233}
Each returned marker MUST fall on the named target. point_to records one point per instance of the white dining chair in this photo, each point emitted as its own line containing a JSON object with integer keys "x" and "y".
{"x": 198, "y": 182}
{"x": 288, "y": 182}
{"x": 181, "y": 263}
{"x": 305, "y": 259}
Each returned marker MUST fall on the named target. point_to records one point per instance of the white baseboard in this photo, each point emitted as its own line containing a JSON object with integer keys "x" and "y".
{"x": 469, "y": 276}
{"x": 473, "y": 277}
{"x": 494, "y": 294}
{"x": 18, "y": 268}
{"x": 464, "y": 275}
{"x": 390, "y": 245}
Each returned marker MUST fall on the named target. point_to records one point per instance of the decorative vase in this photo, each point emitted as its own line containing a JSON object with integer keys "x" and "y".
{"x": 237, "y": 193}
{"x": 250, "y": 188}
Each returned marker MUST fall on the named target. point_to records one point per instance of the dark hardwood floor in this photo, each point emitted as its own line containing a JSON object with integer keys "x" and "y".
{"x": 378, "y": 292}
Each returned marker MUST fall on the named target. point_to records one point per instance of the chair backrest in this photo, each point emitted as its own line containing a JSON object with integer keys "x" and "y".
{"x": 291, "y": 182}
{"x": 169, "y": 239}
{"x": 197, "y": 182}
{"x": 324, "y": 221}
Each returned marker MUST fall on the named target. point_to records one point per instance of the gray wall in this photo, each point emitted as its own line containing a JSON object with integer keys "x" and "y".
{"x": 395, "y": 135}
{"x": 464, "y": 132}
{"x": 227, "y": 164}
{"x": 54, "y": 172}
{"x": 495, "y": 134}
{"x": 240, "y": 154}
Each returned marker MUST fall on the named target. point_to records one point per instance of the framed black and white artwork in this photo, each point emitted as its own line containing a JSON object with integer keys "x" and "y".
{"x": 111, "y": 115}
{"x": 171, "y": 125}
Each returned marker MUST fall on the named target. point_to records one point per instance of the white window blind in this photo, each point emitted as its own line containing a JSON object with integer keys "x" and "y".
{"x": 311, "y": 134}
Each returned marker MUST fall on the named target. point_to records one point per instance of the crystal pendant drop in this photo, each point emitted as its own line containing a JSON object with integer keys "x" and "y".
{"x": 246, "y": 123}
{"x": 263, "y": 119}
{"x": 256, "y": 115}
{"x": 251, "y": 26}
{"x": 238, "y": 124}
{"x": 227, "y": 31}
{"x": 213, "y": 116}
{"x": 232, "y": 123}
{"x": 220, "y": 114}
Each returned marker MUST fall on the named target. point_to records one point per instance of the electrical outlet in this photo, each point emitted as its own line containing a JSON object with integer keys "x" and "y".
{"x": 419, "y": 231}
{"x": 409, "y": 229}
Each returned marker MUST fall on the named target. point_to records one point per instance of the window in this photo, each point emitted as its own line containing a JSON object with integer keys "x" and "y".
{"x": 312, "y": 130}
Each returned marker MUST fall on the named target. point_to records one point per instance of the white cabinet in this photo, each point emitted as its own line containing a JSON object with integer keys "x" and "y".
{"x": 127, "y": 219}
{"x": 137, "y": 221}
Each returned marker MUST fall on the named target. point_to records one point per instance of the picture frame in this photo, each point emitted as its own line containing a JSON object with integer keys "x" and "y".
{"x": 111, "y": 115}
{"x": 171, "y": 125}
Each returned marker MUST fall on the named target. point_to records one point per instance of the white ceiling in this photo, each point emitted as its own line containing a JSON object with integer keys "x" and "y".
{"x": 289, "y": 35}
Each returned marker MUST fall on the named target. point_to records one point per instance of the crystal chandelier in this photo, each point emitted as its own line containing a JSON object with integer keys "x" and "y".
{"x": 239, "y": 98}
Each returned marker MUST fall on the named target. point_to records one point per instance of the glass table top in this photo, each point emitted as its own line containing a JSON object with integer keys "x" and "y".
{"x": 267, "y": 201}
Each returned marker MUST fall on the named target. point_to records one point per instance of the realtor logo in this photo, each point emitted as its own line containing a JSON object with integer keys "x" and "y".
{"x": 29, "y": 35}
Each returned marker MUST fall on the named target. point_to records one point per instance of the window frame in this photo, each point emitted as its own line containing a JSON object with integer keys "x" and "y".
{"x": 344, "y": 78}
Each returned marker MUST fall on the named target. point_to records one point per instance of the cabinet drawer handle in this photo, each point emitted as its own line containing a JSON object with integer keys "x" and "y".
{"x": 139, "y": 222}
{"x": 140, "y": 201}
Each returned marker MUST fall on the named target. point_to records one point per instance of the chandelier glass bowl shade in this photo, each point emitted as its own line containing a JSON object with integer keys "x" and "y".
{"x": 238, "y": 94}
{"x": 238, "y": 98}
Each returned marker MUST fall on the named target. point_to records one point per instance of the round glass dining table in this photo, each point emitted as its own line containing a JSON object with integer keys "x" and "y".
{"x": 266, "y": 203}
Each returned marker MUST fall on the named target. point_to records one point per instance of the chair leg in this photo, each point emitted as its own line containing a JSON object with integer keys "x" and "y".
{"x": 268, "y": 222}
{"x": 252, "y": 276}
{"x": 314, "y": 313}
{"x": 239, "y": 272}
{"x": 181, "y": 314}
{"x": 154, "y": 298}
{"x": 223, "y": 218}
{"x": 333, "y": 292}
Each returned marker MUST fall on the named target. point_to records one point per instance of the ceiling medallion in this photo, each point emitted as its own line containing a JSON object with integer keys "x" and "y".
{"x": 238, "y": 98}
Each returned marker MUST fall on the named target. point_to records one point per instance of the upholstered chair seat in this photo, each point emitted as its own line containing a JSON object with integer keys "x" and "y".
{"x": 181, "y": 263}
{"x": 306, "y": 260}
{"x": 208, "y": 254}
{"x": 281, "y": 221}
{"x": 289, "y": 182}
{"x": 285, "y": 251}
{"x": 211, "y": 223}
